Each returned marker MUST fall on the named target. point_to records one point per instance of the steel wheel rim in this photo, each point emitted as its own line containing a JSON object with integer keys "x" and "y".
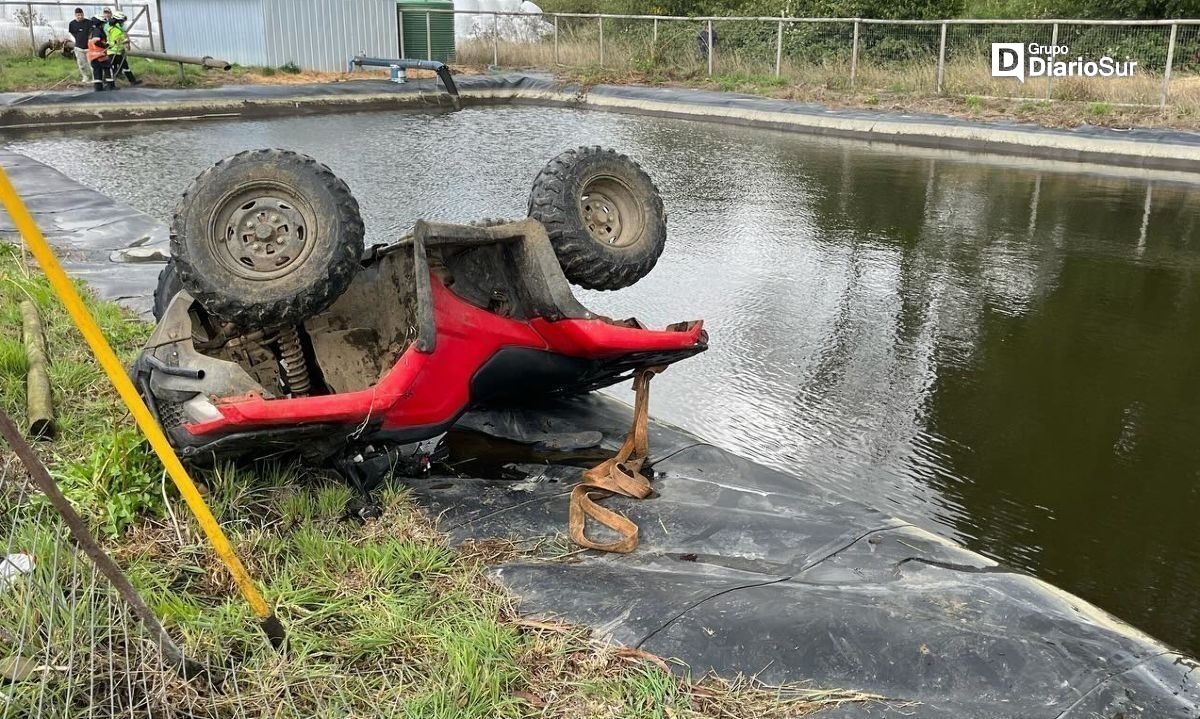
{"x": 262, "y": 232}
{"x": 611, "y": 212}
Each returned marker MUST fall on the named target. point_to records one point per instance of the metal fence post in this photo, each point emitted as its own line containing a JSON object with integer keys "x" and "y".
{"x": 556, "y": 40}
{"x": 1162, "y": 98}
{"x": 710, "y": 47}
{"x": 162, "y": 40}
{"x": 1053, "y": 43}
{"x": 601, "y": 41}
{"x": 778, "y": 47}
{"x": 654, "y": 39}
{"x": 495, "y": 40}
{"x": 136, "y": 18}
{"x": 149, "y": 25}
{"x": 400, "y": 15}
{"x": 941, "y": 60}
{"x": 29, "y": 17}
{"x": 854, "y": 57}
{"x": 428, "y": 38}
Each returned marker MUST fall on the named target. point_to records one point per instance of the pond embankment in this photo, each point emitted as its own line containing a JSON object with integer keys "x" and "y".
{"x": 1143, "y": 148}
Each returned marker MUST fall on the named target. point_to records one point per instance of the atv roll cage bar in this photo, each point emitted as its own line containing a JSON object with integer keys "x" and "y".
{"x": 552, "y": 300}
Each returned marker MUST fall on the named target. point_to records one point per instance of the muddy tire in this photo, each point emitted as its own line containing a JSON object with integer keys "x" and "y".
{"x": 266, "y": 238}
{"x": 604, "y": 216}
{"x": 168, "y": 286}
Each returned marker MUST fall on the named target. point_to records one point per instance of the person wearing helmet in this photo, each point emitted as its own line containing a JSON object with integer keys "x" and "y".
{"x": 118, "y": 39}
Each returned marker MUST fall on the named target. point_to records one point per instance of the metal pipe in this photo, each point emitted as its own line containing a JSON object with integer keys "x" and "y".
{"x": 443, "y": 72}
{"x": 149, "y": 27}
{"x": 181, "y": 59}
{"x": 1162, "y": 98}
{"x": 364, "y": 61}
{"x": 556, "y": 40}
{"x": 428, "y": 38}
{"x": 601, "y": 42}
{"x": 1049, "y": 78}
{"x": 854, "y": 57}
{"x": 772, "y": 19}
{"x": 941, "y": 71}
{"x": 495, "y": 40}
{"x": 162, "y": 40}
{"x": 149, "y": 31}
{"x": 778, "y": 48}
{"x": 878, "y": 21}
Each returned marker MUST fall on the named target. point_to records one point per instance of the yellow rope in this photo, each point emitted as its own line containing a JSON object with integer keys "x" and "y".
{"x": 116, "y": 373}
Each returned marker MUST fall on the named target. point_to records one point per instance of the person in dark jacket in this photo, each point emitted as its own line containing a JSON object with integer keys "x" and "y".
{"x": 81, "y": 31}
{"x": 97, "y": 52}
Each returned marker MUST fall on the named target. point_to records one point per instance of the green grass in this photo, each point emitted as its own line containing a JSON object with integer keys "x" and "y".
{"x": 383, "y": 618}
{"x": 21, "y": 71}
{"x": 25, "y": 72}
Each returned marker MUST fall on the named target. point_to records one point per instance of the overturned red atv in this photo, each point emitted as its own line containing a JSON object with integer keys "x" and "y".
{"x": 278, "y": 333}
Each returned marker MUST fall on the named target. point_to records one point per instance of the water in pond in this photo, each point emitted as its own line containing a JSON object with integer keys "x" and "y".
{"x": 1003, "y": 351}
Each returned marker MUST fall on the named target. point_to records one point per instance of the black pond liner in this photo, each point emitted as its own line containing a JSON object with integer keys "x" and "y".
{"x": 746, "y": 569}
{"x": 741, "y": 568}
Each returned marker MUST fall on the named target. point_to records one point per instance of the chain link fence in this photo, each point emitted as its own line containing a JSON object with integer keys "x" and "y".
{"x": 929, "y": 57}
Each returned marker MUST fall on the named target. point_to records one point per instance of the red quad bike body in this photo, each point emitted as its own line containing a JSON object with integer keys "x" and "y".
{"x": 450, "y": 318}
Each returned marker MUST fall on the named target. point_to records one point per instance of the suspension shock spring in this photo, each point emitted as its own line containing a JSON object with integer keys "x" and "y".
{"x": 295, "y": 368}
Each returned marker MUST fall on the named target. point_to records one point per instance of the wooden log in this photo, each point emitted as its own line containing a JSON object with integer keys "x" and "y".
{"x": 38, "y": 398}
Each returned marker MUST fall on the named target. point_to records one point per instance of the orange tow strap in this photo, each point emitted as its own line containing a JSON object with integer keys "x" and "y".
{"x": 621, "y": 475}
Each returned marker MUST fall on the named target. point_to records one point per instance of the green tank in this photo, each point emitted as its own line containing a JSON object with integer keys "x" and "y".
{"x": 426, "y": 41}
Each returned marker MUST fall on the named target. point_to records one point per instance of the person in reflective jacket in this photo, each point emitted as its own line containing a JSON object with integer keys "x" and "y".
{"x": 117, "y": 41}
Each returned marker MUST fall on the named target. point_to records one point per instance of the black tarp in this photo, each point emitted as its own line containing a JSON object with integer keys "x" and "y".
{"x": 745, "y": 569}
{"x": 116, "y": 249}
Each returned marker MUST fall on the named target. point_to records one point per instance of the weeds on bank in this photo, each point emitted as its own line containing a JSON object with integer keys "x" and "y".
{"x": 383, "y": 618}
{"x": 907, "y": 98}
{"x": 968, "y": 89}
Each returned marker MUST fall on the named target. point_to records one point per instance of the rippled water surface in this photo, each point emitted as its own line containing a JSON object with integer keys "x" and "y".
{"x": 1003, "y": 351}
